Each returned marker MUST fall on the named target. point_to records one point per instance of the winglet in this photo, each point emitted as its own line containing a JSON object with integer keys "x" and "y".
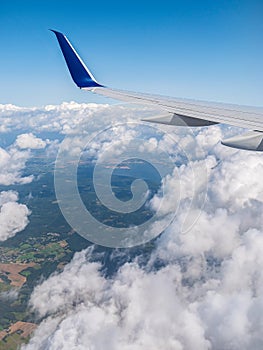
{"x": 77, "y": 68}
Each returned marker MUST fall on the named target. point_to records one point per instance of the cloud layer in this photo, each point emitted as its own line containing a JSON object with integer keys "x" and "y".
{"x": 201, "y": 285}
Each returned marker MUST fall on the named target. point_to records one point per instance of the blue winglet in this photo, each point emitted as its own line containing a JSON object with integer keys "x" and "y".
{"x": 78, "y": 70}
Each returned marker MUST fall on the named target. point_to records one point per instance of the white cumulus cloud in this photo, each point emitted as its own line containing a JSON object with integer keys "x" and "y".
{"x": 13, "y": 215}
{"x": 12, "y": 163}
{"x": 30, "y": 141}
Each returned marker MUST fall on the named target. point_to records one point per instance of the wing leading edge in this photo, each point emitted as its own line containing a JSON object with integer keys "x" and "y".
{"x": 179, "y": 112}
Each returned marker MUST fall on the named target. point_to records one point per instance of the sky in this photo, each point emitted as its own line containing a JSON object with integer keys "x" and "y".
{"x": 209, "y": 50}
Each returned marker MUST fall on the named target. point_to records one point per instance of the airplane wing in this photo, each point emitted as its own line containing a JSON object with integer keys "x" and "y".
{"x": 179, "y": 112}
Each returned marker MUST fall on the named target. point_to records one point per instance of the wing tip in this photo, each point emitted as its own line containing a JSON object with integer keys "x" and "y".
{"x": 56, "y": 32}
{"x": 78, "y": 70}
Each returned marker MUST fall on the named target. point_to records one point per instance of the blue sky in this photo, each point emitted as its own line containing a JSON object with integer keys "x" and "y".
{"x": 208, "y": 50}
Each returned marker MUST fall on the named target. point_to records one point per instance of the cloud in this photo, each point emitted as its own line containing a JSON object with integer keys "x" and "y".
{"x": 13, "y": 215}
{"x": 68, "y": 118}
{"x": 13, "y": 159}
{"x": 30, "y": 141}
{"x": 117, "y": 313}
{"x": 12, "y": 162}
